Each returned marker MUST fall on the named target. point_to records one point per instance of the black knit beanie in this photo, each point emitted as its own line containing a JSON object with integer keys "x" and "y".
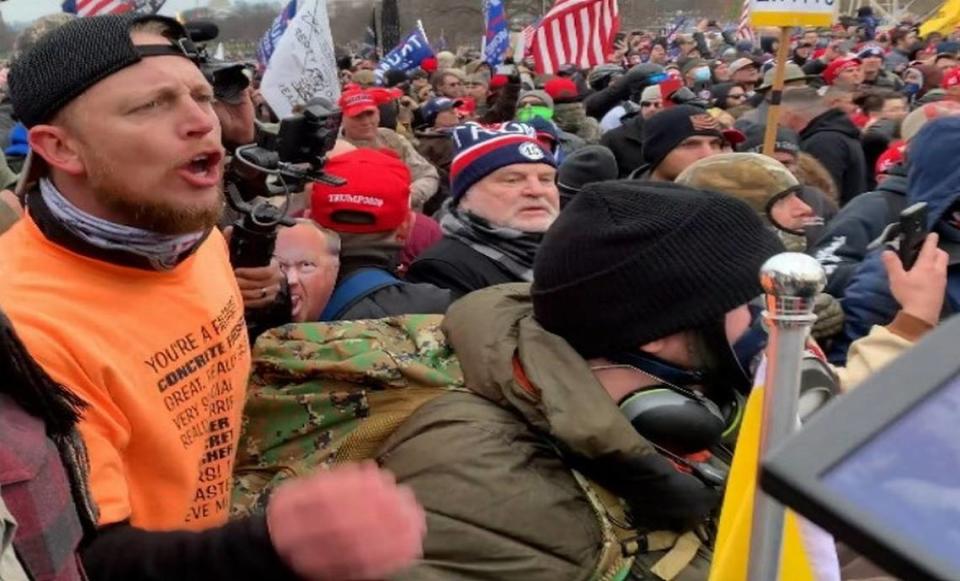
{"x": 629, "y": 262}
{"x": 667, "y": 129}
{"x": 591, "y": 163}
{"x": 69, "y": 60}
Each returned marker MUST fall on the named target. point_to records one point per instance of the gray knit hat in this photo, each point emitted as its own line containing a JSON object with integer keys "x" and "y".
{"x": 64, "y": 63}
{"x": 589, "y": 164}
{"x": 542, "y": 96}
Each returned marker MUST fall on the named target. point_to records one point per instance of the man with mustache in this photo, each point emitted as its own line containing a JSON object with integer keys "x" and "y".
{"x": 121, "y": 288}
{"x": 504, "y": 197}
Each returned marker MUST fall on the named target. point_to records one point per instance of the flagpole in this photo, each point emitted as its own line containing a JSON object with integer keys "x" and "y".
{"x": 483, "y": 39}
{"x": 791, "y": 282}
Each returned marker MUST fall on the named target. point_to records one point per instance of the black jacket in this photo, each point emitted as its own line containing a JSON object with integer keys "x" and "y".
{"x": 625, "y": 143}
{"x": 631, "y": 85}
{"x": 875, "y": 141}
{"x": 814, "y": 67}
{"x": 834, "y": 140}
{"x": 451, "y": 264}
{"x": 843, "y": 245}
{"x": 400, "y": 299}
{"x": 504, "y": 105}
{"x": 600, "y": 103}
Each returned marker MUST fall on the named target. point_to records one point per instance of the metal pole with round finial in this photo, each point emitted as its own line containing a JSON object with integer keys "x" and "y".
{"x": 791, "y": 282}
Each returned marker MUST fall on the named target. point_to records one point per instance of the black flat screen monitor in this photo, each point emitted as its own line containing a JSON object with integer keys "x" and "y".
{"x": 880, "y": 467}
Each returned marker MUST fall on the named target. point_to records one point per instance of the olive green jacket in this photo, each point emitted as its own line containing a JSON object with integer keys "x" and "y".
{"x": 493, "y": 466}
{"x": 572, "y": 118}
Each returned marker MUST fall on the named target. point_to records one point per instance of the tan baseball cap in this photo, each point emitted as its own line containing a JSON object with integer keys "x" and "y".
{"x": 756, "y": 179}
{"x": 742, "y": 63}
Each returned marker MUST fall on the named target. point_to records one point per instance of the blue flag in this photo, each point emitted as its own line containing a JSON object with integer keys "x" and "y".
{"x": 498, "y": 34}
{"x": 408, "y": 54}
{"x": 269, "y": 42}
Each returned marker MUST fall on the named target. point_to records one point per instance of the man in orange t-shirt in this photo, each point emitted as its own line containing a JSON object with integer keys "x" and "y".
{"x": 122, "y": 290}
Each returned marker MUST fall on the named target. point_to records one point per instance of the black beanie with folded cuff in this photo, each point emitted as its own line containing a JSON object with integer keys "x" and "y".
{"x": 668, "y": 128}
{"x": 630, "y": 262}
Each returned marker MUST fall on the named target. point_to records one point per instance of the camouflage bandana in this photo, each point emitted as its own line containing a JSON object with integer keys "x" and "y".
{"x": 325, "y": 393}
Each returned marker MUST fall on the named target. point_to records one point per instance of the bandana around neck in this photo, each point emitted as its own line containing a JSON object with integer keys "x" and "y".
{"x": 513, "y": 249}
{"x": 162, "y": 251}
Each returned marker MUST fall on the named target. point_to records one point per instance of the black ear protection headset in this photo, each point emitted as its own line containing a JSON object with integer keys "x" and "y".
{"x": 674, "y": 416}
{"x": 679, "y": 420}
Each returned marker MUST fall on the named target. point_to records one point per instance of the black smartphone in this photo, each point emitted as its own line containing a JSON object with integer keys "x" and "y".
{"x": 913, "y": 231}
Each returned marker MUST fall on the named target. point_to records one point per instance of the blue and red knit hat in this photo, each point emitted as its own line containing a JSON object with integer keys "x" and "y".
{"x": 483, "y": 149}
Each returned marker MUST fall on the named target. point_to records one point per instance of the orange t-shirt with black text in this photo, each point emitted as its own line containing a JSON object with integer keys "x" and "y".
{"x": 162, "y": 360}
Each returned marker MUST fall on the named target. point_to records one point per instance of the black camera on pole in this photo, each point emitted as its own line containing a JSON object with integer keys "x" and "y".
{"x": 295, "y": 156}
{"x": 288, "y": 159}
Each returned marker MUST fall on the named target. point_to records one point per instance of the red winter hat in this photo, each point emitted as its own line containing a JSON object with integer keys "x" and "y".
{"x": 377, "y": 189}
{"x": 951, "y": 78}
{"x": 562, "y": 90}
{"x": 429, "y": 64}
{"x": 838, "y": 65}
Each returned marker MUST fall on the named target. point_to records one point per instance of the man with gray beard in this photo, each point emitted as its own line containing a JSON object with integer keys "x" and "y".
{"x": 504, "y": 197}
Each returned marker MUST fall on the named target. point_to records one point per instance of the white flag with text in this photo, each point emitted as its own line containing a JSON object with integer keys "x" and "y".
{"x": 303, "y": 66}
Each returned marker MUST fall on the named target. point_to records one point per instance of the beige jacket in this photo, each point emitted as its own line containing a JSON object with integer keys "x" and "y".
{"x": 426, "y": 179}
{"x": 884, "y": 344}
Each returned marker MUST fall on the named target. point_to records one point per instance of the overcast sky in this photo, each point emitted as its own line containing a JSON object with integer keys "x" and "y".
{"x": 27, "y": 10}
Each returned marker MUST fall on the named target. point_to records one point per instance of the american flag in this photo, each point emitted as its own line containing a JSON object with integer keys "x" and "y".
{"x": 745, "y": 31}
{"x": 577, "y": 32}
{"x": 97, "y": 7}
{"x": 527, "y": 36}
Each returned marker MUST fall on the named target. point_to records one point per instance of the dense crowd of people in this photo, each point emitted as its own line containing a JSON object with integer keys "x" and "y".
{"x": 515, "y": 340}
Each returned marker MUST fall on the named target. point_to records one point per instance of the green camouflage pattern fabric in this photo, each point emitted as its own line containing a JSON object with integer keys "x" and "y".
{"x": 313, "y": 384}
